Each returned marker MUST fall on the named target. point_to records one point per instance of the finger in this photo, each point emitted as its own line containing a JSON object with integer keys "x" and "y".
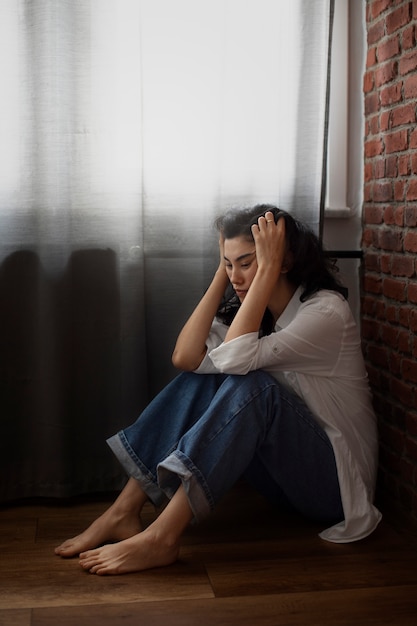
{"x": 269, "y": 217}
{"x": 262, "y": 222}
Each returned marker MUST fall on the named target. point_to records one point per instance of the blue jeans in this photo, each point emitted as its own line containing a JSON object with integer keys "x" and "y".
{"x": 205, "y": 431}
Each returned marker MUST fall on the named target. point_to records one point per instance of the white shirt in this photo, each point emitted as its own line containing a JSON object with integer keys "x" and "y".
{"x": 316, "y": 352}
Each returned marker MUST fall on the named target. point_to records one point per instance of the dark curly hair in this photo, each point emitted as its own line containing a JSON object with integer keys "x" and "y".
{"x": 310, "y": 267}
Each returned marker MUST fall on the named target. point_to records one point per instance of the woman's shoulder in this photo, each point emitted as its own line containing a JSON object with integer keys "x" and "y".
{"x": 329, "y": 301}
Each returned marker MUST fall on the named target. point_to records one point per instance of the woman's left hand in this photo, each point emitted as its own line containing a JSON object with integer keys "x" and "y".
{"x": 269, "y": 242}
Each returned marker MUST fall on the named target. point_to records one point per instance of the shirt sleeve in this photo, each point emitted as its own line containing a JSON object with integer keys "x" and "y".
{"x": 216, "y": 336}
{"x": 309, "y": 344}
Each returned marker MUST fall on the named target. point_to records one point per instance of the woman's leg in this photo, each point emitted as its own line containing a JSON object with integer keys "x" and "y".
{"x": 156, "y": 431}
{"x": 252, "y": 419}
{"x": 295, "y": 468}
{"x": 210, "y": 433}
{"x": 156, "y": 546}
{"x": 120, "y": 521}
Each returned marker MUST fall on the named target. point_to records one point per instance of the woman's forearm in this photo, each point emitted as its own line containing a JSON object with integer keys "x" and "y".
{"x": 249, "y": 317}
{"x": 190, "y": 347}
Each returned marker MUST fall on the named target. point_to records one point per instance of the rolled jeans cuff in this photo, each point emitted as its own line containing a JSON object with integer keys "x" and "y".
{"x": 135, "y": 468}
{"x": 178, "y": 467}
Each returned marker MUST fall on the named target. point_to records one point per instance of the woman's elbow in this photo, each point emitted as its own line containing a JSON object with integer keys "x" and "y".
{"x": 186, "y": 362}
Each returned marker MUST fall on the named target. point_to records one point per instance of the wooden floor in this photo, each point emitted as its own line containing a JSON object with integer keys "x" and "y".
{"x": 245, "y": 565}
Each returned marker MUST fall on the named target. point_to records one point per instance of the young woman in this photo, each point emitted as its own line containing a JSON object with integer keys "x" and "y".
{"x": 274, "y": 388}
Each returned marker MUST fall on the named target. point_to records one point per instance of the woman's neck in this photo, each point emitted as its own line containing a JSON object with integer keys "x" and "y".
{"x": 281, "y": 296}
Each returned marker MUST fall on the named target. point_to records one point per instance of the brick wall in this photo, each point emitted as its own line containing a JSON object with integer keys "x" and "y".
{"x": 389, "y": 286}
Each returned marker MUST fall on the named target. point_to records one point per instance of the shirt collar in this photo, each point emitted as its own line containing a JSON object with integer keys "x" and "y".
{"x": 290, "y": 310}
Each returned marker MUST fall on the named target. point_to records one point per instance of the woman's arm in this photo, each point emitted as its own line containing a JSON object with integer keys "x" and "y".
{"x": 190, "y": 348}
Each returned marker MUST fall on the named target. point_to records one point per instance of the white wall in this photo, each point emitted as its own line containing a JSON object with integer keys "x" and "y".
{"x": 343, "y": 221}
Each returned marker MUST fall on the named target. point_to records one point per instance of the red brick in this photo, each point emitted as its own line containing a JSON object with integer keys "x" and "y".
{"x": 389, "y": 239}
{"x": 371, "y": 57}
{"x": 403, "y": 392}
{"x": 368, "y": 171}
{"x": 412, "y": 292}
{"x": 369, "y": 237}
{"x": 409, "y": 370}
{"x": 396, "y": 142}
{"x": 367, "y": 193}
{"x": 374, "y": 376}
{"x": 378, "y": 355}
{"x": 414, "y": 163}
{"x": 399, "y": 190}
{"x": 412, "y": 190}
{"x": 371, "y": 103}
{"x": 368, "y": 82}
{"x": 376, "y": 32}
{"x": 404, "y": 342}
{"x": 392, "y": 166}
{"x": 380, "y": 168}
{"x": 388, "y": 49}
{"x": 389, "y": 335}
{"x": 382, "y": 192}
{"x": 378, "y": 7}
{"x": 404, "y": 316}
{"x": 404, "y": 165}
{"x": 403, "y": 115}
{"x": 391, "y": 94}
{"x": 411, "y": 424}
{"x": 391, "y": 313}
{"x": 402, "y": 266}
{"x": 372, "y": 284}
{"x": 410, "y": 241}
{"x": 399, "y": 216}
{"x": 394, "y": 289}
{"x": 385, "y": 120}
{"x": 370, "y": 329}
{"x": 389, "y": 215}
{"x": 373, "y": 148}
{"x": 368, "y": 305}
{"x": 411, "y": 216}
{"x": 413, "y": 320}
{"x": 395, "y": 364}
{"x": 408, "y": 38}
{"x": 393, "y": 436}
{"x": 386, "y": 73}
{"x": 380, "y": 310}
{"x": 413, "y": 139}
{"x": 407, "y": 63}
{"x": 372, "y": 262}
{"x": 374, "y": 126}
{"x": 410, "y": 87}
{"x": 386, "y": 263}
{"x": 407, "y": 470}
{"x": 411, "y": 448}
{"x": 398, "y": 18}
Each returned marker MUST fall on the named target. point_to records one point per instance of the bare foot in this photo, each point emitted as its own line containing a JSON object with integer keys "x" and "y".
{"x": 111, "y": 526}
{"x": 143, "y": 551}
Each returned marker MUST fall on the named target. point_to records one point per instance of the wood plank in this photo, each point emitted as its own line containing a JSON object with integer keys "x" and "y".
{"x": 365, "y": 607}
{"x": 14, "y": 532}
{"x": 38, "y": 578}
{"x": 15, "y": 617}
{"x": 285, "y": 545}
{"x": 333, "y": 572}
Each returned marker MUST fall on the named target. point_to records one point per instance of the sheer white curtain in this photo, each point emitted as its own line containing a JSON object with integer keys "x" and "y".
{"x": 126, "y": 126}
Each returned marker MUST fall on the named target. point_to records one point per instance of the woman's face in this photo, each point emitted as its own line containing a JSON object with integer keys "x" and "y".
{"x": 241, "y": 265}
